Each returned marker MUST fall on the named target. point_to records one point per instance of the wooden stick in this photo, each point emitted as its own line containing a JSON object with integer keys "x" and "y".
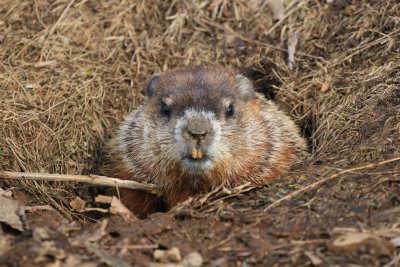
{"x": 295, "y": 193}
{"x": 132, "y": 247}
{"x": 90, "y": 179}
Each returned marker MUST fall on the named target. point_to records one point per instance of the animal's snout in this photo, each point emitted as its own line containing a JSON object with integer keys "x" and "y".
{"x": 198, "y": 129}
{"x": 197, "y": 132}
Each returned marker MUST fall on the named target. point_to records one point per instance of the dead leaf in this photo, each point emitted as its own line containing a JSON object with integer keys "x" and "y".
{"x": 6, "y": 193}
{"x": 78, "y": 204}
{"x": 277, "y": 8}
{"x": 314, "y": 259}
{"x": 324, "y": 87}
{"x": 118, "y": 208}
{"x": 12, "y": 214}
{"x": 352, "y": 242}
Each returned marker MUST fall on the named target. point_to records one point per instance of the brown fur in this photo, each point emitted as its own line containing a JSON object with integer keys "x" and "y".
{"x": 257, "y": 144}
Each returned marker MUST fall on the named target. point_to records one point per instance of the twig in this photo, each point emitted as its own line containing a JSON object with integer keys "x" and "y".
{"x": 90, "y": 179}
{"x": 311, "y": 186}
{"x": 301, "y": 242}
{"x": 220, "y": 243}
{"x": 393, "y": 262}
{"x": 35, "y": 208}
{"x": 382, "y": 173}
{"x": 133, "y": 247}
{"x": 309, "y": 241}
{"x": 301, "y": 233}
{"x": 251, "y": 41}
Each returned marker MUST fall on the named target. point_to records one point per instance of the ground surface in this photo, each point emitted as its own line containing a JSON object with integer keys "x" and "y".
{"x": 70, "y": 71}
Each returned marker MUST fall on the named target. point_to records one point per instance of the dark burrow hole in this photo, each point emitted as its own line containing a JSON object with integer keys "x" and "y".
{"x": 265, "y": 82}
{"x": 114, "y": 234}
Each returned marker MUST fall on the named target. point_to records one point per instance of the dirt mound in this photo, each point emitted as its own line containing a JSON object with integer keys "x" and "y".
{"x": 70, "y": 71}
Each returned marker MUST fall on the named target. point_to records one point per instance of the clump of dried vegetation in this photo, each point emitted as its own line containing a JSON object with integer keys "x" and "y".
{"x": 70, "y": 71}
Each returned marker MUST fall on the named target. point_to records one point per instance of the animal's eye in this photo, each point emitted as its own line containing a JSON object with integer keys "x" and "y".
{"x": 229, "y": 110}
{"x": 165, "y": 110}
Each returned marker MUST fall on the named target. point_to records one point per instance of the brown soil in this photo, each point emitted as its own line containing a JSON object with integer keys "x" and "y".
{"x": 70, "y": 71}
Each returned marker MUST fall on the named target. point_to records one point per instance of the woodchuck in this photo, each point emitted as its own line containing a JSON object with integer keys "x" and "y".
{"x": 201, "y": 127}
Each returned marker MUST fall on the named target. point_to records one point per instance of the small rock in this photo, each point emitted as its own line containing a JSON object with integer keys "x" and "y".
{"x": 193, "y": 259}
{"x": 174, "y": 254}
{"x": 158, "y": 254}
{"x": 167, "y": 255}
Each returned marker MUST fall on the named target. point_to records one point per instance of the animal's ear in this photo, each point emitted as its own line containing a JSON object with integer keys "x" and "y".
{"x": 153, "y": 83}
{"x": 245, "y": 86}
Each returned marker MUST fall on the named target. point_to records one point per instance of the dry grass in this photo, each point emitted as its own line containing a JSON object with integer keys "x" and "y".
{"x": 70, "y": 71}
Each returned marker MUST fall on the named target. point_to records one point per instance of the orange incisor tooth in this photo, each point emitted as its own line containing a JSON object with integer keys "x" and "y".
{"x": 194, "y": 153}
{"x": 197, "y": 153}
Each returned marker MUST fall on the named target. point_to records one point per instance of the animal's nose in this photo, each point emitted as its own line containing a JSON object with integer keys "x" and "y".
{"x": 198, "y": 129}
{"x": 197, "y": 134}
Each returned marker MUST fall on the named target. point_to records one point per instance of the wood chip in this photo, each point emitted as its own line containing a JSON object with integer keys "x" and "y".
{"x": 103, "y": 199}
{"x": 78, "y": 204}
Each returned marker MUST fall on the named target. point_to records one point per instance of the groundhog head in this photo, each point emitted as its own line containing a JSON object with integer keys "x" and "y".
{"x": 194, "y": 116}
